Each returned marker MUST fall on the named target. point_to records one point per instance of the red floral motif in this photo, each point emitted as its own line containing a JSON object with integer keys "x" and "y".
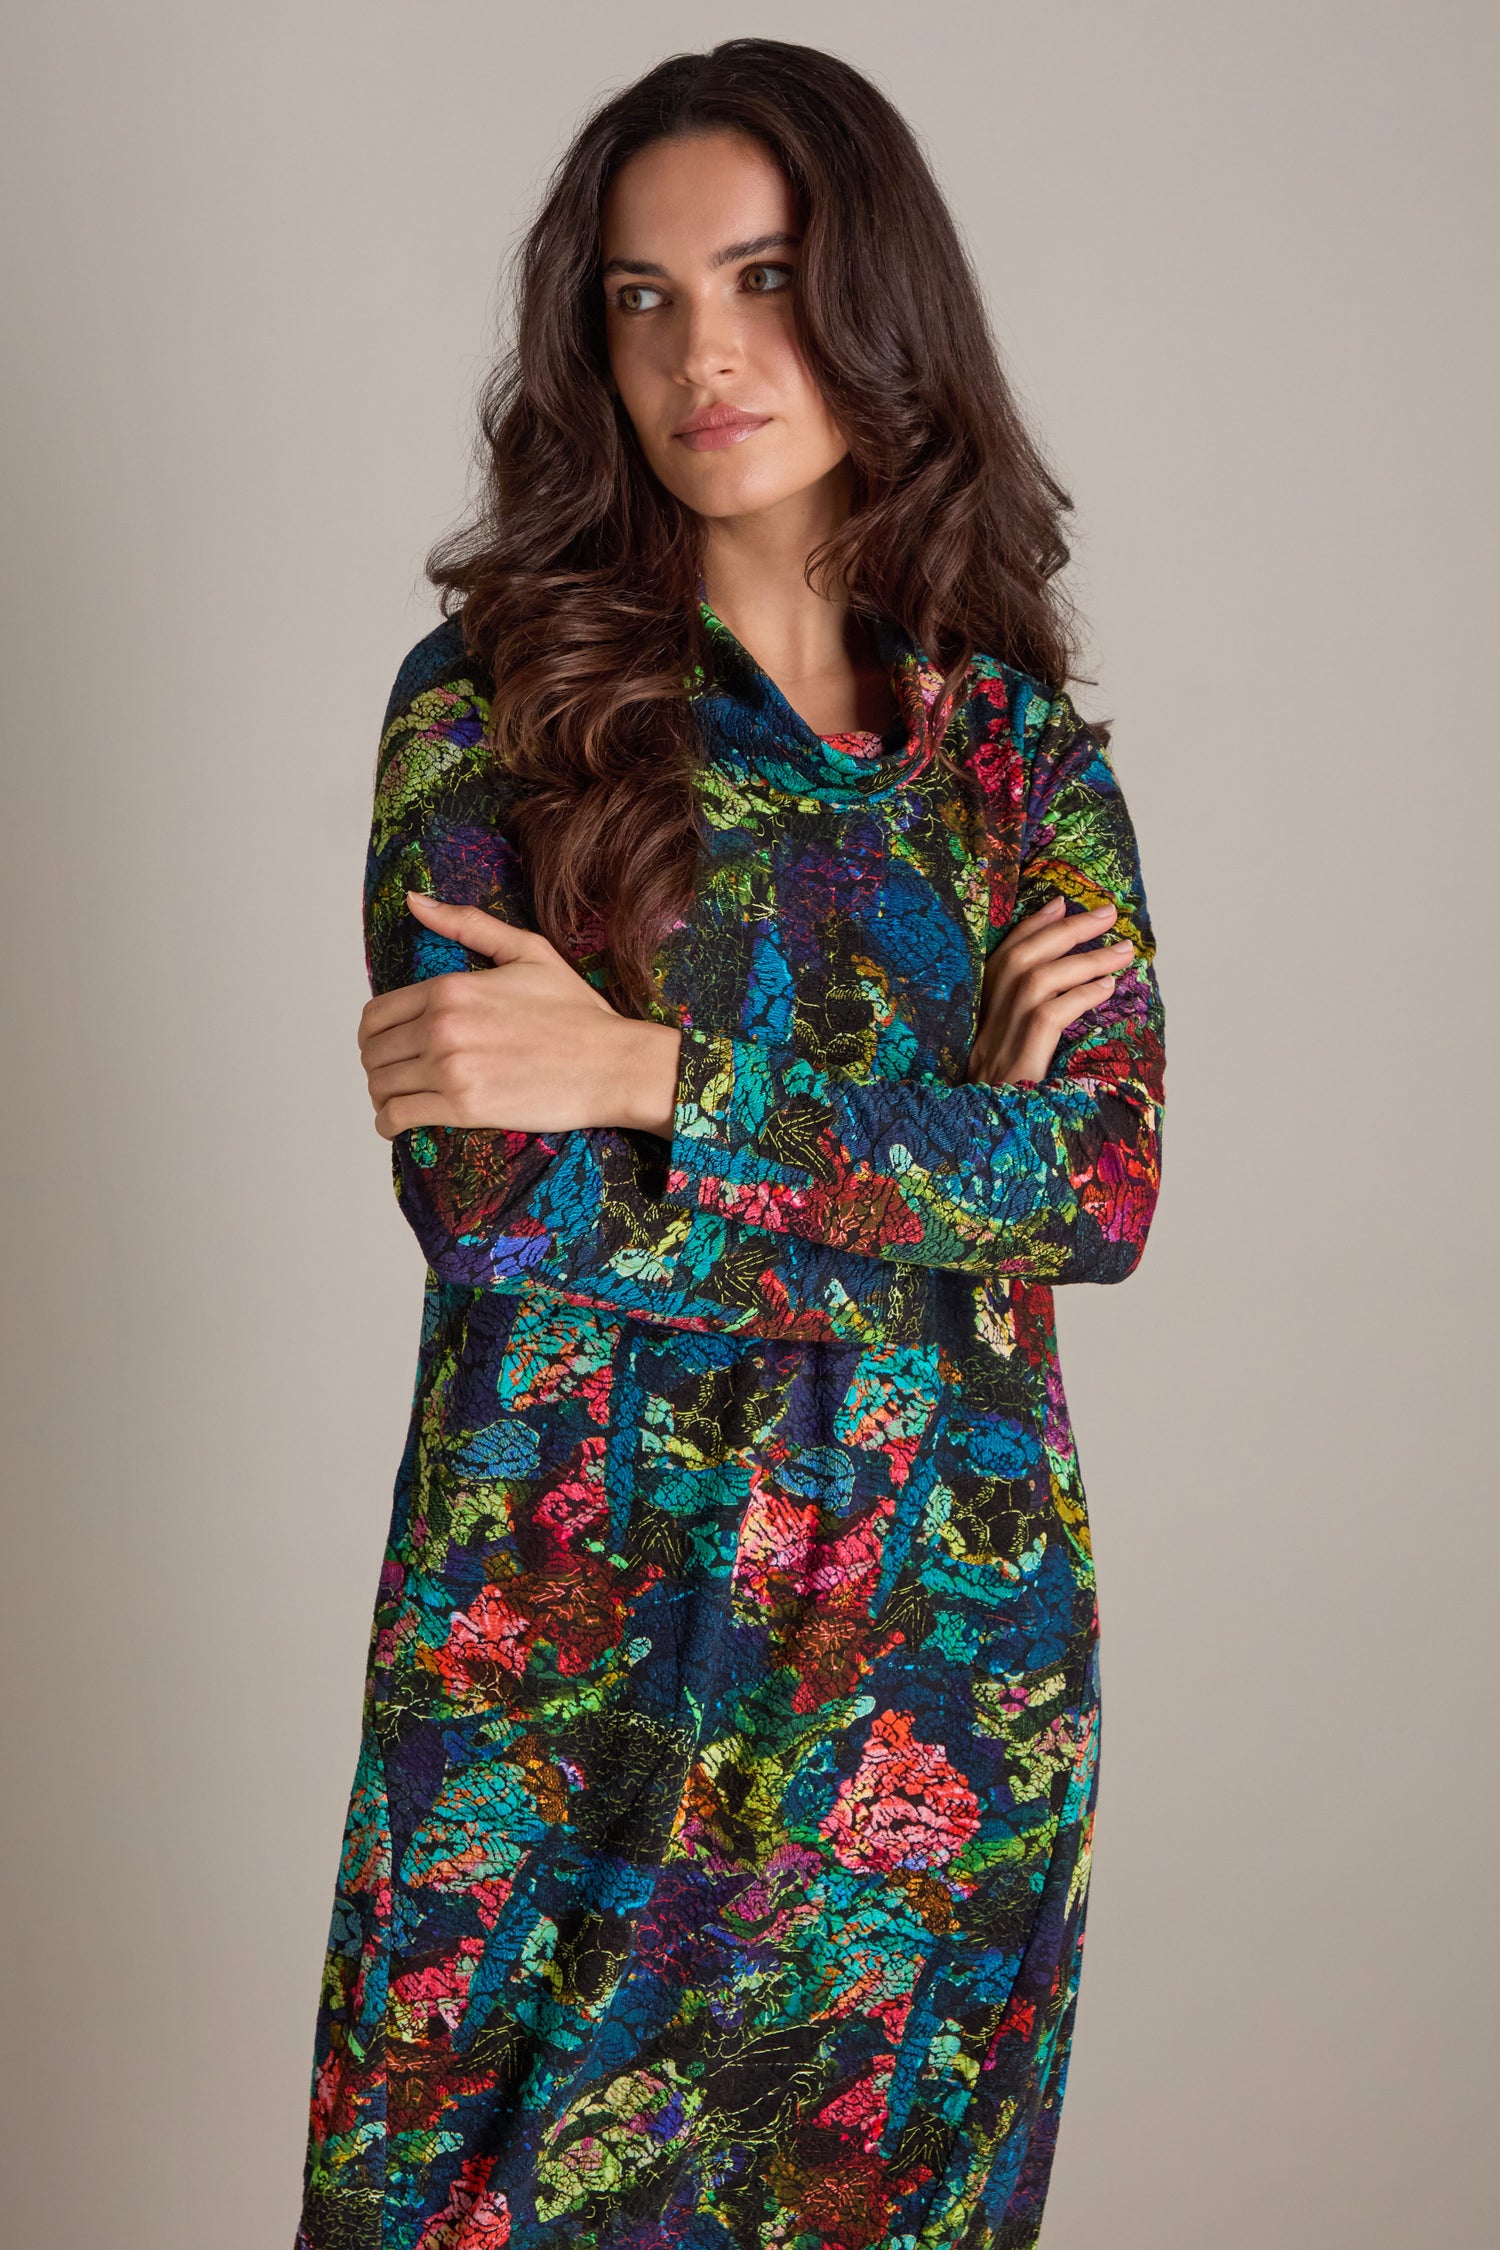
{"x": 848, "y": 2202}
{"x": 780, "y": 1552}
{"x": 489, "y": 1900}
{"x": 833, "y": 1652}
{"x": 1035, "y": 1321}
{"x": 1121, "y": 1195}
{"x": 470, "y": 2219}
{"x": 830, "y": 1643}
{"x": 578, "y": 1503}
{"x": 861, "y": 2108}
{"x": 907, "y": 1806}
{"x": 1018, "y": 2022}
{"x": 490, "y": 1632}
{"x": 339, "y": 2087}
{"x": 891, "y": 2015}
{"x": 576, "y": 1606}
{"x": 442, "y": 1987}
{"x": 776, "y": 1540}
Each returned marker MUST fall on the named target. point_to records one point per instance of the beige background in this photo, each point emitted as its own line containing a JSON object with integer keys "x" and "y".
{"x": 1237, "y": 258}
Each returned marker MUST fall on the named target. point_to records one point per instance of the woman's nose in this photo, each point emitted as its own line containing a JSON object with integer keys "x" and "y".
{"x": 710, "y": 346}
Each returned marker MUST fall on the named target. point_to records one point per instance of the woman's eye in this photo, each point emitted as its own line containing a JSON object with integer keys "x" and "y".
{"x": 628, "y": 298}
{"x": 764, "y": 281}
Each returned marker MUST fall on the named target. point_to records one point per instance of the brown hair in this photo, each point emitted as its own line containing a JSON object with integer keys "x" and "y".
{"x": 577, "y": 573}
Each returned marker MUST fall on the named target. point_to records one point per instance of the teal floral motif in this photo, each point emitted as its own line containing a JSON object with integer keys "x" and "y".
{"x": 717, "y": 1857}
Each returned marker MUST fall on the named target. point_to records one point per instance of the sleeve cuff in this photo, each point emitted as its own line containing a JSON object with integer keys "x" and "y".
{"x": 717, "y": 1101}
{"x": 745, "y": 1115}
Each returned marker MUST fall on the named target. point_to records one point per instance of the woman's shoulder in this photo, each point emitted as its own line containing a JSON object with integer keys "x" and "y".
{"x": 1041, "y": 723}
{"x": 1023, "y": 740}
{"x": 438, "y": 660}
{"x": 1006, "y": 714}
{"x": 1014, "y": 701}
{"x": 432, "y": 738}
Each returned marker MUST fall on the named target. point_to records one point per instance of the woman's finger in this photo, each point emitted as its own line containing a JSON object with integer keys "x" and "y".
{"x": 406, "y": 1005}
{"x": 1041, "y": 915}
{"x": 480, "y": 932}
{"x": 399, "y": 1043}
{"x": 1055, "y": 911}
{"x": 1049, "y": 978}
{"x": 1069, "y": 1007}
{"x": 404, "y": 1112}
{"x": 1038, "y": 919}
{"x": 1029, "y": 926}
{"x": 413, "y": 1076}
{"x": 1031, "y": 941}
{"x": 402, "y": 1004}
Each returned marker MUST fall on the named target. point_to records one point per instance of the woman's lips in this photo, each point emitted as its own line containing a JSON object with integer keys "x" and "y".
{"x": 712, "y": 437}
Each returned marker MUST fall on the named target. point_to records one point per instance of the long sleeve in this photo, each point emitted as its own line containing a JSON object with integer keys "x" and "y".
{"x": 580, "y": 1214}
{"x": 1051, "y": 1182}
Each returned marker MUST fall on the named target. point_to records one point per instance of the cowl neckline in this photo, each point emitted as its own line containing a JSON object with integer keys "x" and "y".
{"x": 750, "y": 725}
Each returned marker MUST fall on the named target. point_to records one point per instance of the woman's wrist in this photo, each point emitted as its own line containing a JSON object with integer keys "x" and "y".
{"x": 641, "y": 1095}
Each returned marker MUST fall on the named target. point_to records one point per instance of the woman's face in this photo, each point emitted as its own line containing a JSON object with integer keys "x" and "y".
{"x": 700, "y": 248}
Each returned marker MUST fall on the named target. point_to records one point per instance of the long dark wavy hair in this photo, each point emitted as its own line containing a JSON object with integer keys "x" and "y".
{"x": 577, "y": 572}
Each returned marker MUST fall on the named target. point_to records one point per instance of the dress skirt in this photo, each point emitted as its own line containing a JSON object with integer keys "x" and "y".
{"x": 718, "y": 1853}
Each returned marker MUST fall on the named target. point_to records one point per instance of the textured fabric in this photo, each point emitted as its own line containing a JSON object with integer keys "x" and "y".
{"x": 717, "y": 1853}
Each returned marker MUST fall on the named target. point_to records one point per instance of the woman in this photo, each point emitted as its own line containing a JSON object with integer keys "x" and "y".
{"x": 758, "y": 1035}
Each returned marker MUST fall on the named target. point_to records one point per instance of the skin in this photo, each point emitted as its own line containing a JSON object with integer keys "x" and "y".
{"x": 528, "y": 1045}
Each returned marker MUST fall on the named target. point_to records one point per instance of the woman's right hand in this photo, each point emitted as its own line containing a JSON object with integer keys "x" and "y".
{"x": 1035, "y": 985}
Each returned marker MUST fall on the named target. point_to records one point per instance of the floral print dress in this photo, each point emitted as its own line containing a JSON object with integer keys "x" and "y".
{"x": 717, "y": 1853}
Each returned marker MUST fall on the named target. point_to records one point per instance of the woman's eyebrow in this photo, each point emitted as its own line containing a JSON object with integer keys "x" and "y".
{"x": 723, "y": 257}
{"x": 753, "y": 249}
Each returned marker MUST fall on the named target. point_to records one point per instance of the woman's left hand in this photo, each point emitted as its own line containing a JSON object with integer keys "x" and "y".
{"x": 528, "y": 1046}
{"x": 1039, "y": 981}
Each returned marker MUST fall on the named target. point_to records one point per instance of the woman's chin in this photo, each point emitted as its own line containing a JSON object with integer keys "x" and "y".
{"x": 727, "y": 491}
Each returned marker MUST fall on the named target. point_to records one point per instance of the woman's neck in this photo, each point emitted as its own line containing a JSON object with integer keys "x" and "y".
{"x": 811, "y": 645}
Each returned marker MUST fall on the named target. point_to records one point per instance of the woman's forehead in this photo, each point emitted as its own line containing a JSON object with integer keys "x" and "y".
{"x": 707, "y": 194}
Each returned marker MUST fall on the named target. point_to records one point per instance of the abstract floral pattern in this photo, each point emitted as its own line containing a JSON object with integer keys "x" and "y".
{"x": 717, "y": 1852}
